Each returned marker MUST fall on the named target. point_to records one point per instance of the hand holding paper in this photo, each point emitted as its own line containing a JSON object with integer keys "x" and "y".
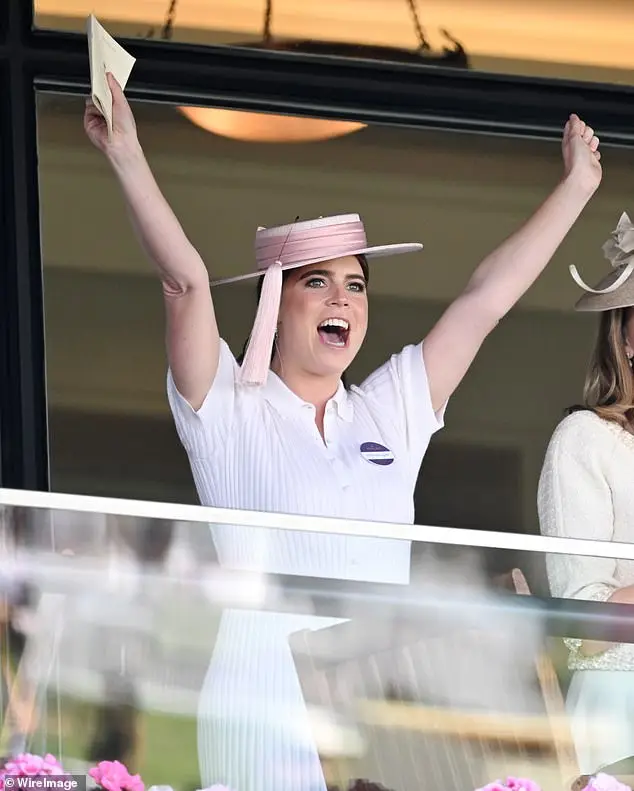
{"x": 106, "y": 55}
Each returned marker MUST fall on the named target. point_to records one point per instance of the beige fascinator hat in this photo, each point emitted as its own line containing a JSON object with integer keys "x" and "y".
{"x": 616, "y": 289}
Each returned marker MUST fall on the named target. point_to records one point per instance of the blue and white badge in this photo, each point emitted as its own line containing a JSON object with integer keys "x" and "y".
{"x": 376, "y": 454}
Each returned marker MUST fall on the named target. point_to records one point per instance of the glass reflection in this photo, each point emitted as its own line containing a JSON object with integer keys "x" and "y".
{"x": 534, "y": 39}
{"x": 115, "y": 625}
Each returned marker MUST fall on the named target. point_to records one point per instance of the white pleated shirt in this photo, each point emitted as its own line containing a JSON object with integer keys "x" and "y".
{"x": 259, "y": 449}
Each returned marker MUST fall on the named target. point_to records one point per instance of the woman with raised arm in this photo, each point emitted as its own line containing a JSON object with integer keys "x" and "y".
{"x": 586, "y": 490}
{"x": 283, "y": 433}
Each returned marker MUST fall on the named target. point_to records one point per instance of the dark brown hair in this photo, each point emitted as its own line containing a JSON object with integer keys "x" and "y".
{"x": 609, "y": 387}
{"x": 363, "y": 261}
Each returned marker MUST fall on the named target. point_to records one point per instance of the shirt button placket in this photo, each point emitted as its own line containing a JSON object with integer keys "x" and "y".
{"x": 339, "y": 468}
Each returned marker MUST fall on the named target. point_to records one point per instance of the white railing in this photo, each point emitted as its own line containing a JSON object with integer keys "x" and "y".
{"x": 429, "y": 534}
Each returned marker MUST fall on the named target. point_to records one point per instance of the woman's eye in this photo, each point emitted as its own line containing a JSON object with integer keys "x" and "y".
{"x": 319, "y": 282}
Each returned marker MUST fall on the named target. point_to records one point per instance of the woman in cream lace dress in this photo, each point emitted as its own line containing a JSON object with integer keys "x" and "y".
{"x": 586, "y": 491}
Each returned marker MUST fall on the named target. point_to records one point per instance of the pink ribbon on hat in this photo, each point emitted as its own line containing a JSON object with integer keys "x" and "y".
{"x": 304, "y": 244}
{"x": 294, "y": 245}
{"x": 257, "y": 358}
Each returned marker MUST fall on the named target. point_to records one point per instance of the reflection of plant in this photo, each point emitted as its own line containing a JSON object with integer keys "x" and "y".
{"x": 28, "y": 765}
{"x": 602, "y": 782}
{"x": 512, "y": 784}
{"x": 599, "y": 782}
{"x": 108, "y": 775}
{"x": 113, "y": 776}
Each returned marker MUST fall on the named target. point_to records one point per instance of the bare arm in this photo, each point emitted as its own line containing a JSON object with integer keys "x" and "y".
{"x": 505, "y": 275}
{"x": 192, "y": 337}
{"x": 623, "y": 595}
{"x": 192, "y": 332}
{"x": 594, "y": 647}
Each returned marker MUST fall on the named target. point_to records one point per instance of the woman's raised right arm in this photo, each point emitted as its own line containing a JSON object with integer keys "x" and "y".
{"x": 193, "y": 341}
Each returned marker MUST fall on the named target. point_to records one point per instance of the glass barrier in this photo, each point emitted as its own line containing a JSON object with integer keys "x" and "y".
{"x": 205, "y": 647}
{"x": 532, "y": 39}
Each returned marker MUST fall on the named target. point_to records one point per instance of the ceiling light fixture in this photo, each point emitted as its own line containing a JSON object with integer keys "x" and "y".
{"x": 262, "y": 127}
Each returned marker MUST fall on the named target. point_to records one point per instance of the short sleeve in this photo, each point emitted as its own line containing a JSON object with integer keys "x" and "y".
{"x": 575, "y": 501}
{"x": 400, "y": 389}
{"x": 200, "y": 430}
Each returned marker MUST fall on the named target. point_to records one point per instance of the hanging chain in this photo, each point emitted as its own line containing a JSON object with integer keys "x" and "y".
{"x": 268, "y": 14}
{"x": 424, "y": 44}
{"x": 168, "y": 25}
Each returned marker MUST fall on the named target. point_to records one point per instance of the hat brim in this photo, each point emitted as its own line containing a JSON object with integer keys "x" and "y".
{"x": 623, "y": 297}
{"x": 380, "y": 251}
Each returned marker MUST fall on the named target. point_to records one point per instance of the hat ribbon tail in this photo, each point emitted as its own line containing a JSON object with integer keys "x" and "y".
{"x": 257, "y": 359}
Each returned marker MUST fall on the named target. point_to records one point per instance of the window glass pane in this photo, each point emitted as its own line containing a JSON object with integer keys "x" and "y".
{"x": 111, "y": 431}
{"x": 465, "y": 670}
{"x": 587, "y": 42}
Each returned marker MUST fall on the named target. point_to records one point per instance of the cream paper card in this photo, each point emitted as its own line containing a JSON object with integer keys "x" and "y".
{"x": 106, "y": 56}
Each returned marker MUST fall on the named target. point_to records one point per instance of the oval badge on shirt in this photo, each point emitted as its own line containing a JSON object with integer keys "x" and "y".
{"x": 377, "y": 454}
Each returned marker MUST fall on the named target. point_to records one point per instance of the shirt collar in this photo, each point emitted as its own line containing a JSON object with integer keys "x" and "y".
{"x": 286, "y": 401}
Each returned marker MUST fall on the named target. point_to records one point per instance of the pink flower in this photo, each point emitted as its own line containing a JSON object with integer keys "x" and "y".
{"x": 113, "y": 776}
{"x": 602, "y": 782}
{"x": 27, "y": 765}
{"x": 517, "y": 784}
{"x": 522, "y": 784}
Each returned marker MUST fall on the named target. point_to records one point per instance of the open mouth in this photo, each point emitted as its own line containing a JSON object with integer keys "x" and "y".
{"x": 334, "y": 332}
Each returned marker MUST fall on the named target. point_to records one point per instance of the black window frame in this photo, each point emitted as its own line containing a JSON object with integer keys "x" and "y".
{"x": 33, "y": 60}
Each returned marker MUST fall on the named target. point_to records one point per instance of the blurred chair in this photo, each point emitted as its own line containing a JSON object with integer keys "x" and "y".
{"x": 551, "y": 690}
{"x": 374, "y": 722}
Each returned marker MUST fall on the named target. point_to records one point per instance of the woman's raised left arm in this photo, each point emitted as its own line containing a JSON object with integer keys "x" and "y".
{"x": 507, "y": 273}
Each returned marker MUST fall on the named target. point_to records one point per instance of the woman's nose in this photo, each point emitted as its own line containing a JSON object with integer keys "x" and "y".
{"x": 339, "y": 296}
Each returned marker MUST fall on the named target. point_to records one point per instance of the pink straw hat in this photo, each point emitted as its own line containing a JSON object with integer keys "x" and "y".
{"x": 289, "y": 247}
